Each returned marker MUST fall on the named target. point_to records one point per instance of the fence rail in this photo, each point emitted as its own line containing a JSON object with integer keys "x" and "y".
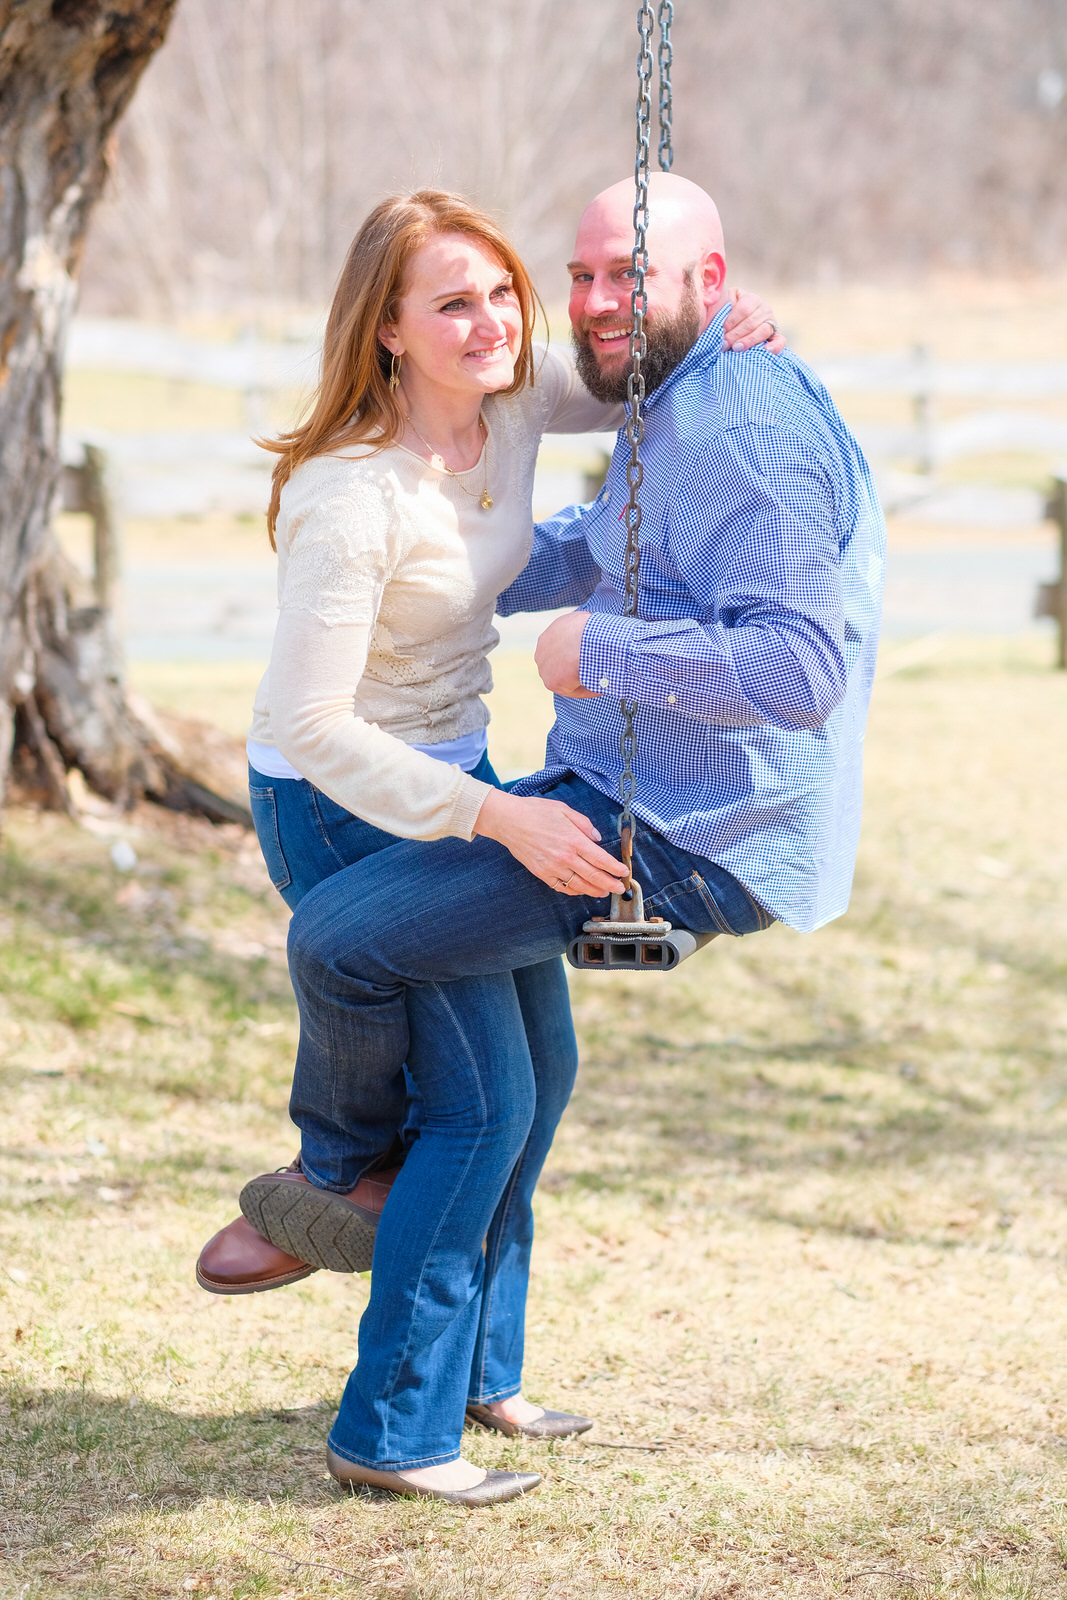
{"x": 113, "y": 344}
{"x": 225, "y": 611}
{"x": 173, "y": 473}
{"x": 249, "y": 363}
{"x": 914, "y": 374}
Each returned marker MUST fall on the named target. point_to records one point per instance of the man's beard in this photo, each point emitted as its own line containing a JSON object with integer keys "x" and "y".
{"x": 668, "y": 340}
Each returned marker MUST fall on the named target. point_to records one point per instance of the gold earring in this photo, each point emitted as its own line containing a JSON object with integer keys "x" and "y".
{"x": 394, "y": 374}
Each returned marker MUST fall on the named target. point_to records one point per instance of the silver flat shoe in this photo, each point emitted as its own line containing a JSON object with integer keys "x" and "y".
{"x": 495, "y": 1486}
{"x": 553, "y": 1425}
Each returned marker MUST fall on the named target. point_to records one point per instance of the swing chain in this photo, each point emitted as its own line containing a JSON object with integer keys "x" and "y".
{"x": 635, "y": 394}
{"x": 626, "y": 936}
{"x": 666, "y": 61}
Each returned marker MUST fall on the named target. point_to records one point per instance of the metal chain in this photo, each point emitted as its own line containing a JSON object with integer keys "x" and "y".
{"x": 666, "y": 61}
{"x": 635, "y": 394}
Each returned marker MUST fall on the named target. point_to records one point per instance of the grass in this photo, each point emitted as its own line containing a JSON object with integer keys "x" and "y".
{"x": 801, "y": 1249}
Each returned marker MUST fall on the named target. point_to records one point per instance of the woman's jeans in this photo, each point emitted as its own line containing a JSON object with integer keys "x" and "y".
{"x": 409, "y": 956}
{"x": 493, "y": 1064}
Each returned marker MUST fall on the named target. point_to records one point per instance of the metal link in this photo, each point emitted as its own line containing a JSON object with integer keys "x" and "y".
{"x": 666, "y": 61}
{"x": 647, "y": 946}
{"x": 635, "y": 390}
{"x": 635, "y": 386}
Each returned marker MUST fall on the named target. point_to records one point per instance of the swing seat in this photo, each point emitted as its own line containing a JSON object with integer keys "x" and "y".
{"x": 623, "y": 952}
{"x": 625, "y": 941}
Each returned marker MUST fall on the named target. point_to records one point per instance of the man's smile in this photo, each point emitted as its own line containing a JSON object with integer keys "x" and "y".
{"x": 611, "y": 338}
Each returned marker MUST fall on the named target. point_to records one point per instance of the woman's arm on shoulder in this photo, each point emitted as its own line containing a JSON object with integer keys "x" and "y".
{"x": 568, "y": 407}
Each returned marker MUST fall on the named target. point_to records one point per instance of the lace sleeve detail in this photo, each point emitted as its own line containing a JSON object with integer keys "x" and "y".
{"x": 339, "y": 559}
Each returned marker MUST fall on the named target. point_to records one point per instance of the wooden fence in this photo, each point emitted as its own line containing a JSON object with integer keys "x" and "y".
{"x": 168, "y": 473}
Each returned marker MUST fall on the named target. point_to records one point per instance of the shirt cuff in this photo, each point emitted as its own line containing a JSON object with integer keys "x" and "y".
{"x": 604, "y": 654}
{"x": 667, "y": 665}
{"x": 609, "y": 661}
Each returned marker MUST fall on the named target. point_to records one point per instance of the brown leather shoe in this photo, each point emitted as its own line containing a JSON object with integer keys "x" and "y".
{"x": 238, "y": 1260}
{"x": 552, "y": 1425}
{"x": 335, "y": 1231}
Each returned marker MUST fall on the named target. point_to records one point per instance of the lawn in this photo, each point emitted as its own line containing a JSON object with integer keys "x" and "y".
{"x": 802, "y": 1242}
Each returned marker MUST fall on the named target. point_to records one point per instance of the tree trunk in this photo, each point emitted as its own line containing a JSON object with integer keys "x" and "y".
{"x": 67, "y": 71}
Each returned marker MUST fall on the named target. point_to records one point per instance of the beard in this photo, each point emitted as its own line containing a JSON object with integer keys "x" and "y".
{"x": 668, "y": 340}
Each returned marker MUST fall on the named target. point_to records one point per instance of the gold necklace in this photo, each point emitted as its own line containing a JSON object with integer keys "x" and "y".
{"x": 485, "y": 499}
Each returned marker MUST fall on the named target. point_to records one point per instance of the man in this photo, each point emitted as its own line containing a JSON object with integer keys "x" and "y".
{"x": 751, "y": 664}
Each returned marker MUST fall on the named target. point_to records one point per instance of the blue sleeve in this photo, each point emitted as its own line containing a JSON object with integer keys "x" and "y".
{"x": 754, "y": 538}
{"x": 560, "y": 572}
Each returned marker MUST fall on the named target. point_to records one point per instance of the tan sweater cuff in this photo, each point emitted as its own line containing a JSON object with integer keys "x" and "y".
{"x": 469, "y": 801}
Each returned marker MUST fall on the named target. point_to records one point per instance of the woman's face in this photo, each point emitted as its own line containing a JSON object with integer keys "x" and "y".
{"x": 460, "y": 323}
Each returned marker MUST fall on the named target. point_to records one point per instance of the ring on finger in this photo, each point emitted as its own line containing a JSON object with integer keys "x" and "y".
{"x": 563, "y": 882}
{"x": 771, "y": 324}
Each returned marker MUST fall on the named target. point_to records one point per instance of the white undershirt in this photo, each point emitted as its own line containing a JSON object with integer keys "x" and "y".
{"x": 465, "y": 752}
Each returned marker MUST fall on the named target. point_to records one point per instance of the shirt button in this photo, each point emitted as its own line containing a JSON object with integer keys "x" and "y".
{"x": 605, "y": 683}
{"x": 605, "y": 496}
{"x": 671, "y": 699}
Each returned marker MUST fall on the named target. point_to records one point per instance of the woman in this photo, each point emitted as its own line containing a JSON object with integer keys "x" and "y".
{"x": 401, "y": 509}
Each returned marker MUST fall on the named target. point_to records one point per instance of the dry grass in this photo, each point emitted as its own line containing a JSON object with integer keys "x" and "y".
{"x": 803, "y": 1235}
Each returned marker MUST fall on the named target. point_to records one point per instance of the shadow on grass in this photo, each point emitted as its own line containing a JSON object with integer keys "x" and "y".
{"x": 835, "y": 1079}
{"x": 80, "y": 1460}
{"x": 135, "y": 1004}
{"x": 65, "y": 917}
{"x": 748, "y": 1106}
{"x": 808, "y": 1088}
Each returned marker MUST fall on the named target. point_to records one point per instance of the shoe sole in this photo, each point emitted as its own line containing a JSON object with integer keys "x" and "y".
{"x": 316, "y": 1226}
{"x": 213, "y": 1286}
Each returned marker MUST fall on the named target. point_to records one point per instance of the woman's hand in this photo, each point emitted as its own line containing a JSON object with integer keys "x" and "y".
{"x": 752, "y": 322}
{"x": 553, "y": 842}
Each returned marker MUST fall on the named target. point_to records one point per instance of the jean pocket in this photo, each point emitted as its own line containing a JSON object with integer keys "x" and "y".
{"x": 685, "y": 904}
{"x": 730, "y": 904}
{"x": 264, "y": 807}
{"x": 725, "y": 907}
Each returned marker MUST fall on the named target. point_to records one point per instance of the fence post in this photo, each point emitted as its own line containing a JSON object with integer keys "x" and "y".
{"x": 923, "y": 411}
{"x": 1052, "y": 597}
{"x": 593, "y": 481}
{"x": 87, "y": 488}
{"x": 99, "y": 503}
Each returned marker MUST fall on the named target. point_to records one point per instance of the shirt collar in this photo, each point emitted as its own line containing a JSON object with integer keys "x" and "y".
{"x": 704, "y": 353}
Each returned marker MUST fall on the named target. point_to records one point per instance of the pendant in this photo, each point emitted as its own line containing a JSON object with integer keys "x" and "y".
{"x": 486, "y": 502}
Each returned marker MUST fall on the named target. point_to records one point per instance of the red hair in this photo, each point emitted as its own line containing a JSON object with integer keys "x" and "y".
{"x": 353, "y": 401}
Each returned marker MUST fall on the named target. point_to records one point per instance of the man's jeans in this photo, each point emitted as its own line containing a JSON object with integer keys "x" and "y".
{"x": 306, "y": 837}
{"x": 376, "y": 953}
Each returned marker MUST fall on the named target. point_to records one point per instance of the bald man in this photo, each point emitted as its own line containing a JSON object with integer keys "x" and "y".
{"x": 684, "y": 284}
{"x": 750, "y": 663}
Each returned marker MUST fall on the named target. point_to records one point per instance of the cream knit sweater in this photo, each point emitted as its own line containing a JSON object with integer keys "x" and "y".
{"x": 388, "y": 574}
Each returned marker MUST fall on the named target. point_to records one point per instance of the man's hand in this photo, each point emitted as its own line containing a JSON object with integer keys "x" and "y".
{"x": 557, "y": 656}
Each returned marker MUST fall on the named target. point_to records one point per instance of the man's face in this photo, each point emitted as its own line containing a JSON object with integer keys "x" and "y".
{"x": 601, "y": 319}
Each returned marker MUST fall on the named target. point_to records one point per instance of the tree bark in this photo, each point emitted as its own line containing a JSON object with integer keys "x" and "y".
{"x": 67, "y": 71}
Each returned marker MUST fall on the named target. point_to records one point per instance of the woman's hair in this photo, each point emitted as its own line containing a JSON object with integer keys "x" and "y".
{"x": 353, "y": 402}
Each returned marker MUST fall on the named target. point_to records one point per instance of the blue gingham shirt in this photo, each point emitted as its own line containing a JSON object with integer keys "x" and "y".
{"x": 751, "y": 660}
